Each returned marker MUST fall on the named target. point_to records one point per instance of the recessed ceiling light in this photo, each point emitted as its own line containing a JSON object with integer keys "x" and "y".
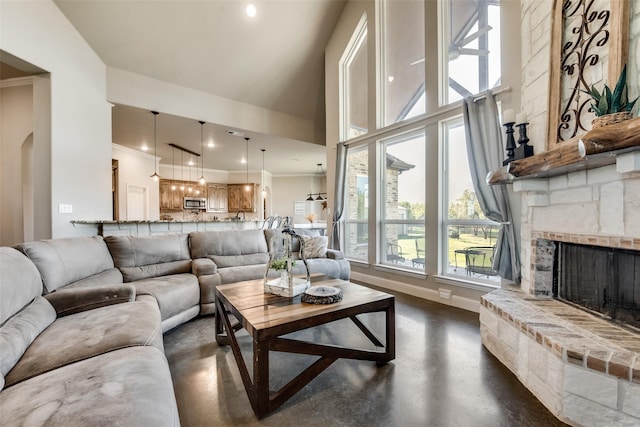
{"x": 234, "y": 133}
{"x": 210, "y": 144}
{"x": 250, "y": 10}
{"x": 390, "y": 78}
{"x": 243, "y": 161}
{"x": 144, "y": 147}
{"x": 190, "y": 162}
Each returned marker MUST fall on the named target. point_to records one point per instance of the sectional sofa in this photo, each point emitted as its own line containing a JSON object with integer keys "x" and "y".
{"x": 81, "y": 320}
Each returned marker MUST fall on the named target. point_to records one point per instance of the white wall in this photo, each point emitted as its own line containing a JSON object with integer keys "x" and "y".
{"x": 134, "y": 170}
{"x": 287, "y": 190}
{"x": 16, "y": 127}
{"x": 80, "y": 118}
{"x": 144, "y": 92}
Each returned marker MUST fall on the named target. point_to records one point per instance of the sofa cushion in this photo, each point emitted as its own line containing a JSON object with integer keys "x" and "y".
{"x": 17, "y": 334}
{"x": 146, "y": 257}
{"x": 20, "y": 282}
{"x": 174, "y": 294}
{"x": 127, "y": 387}
{"x": 241, "y": 273}
{"x": 314, "y": 246}
{"x": 230, "y": 248}
{"x": 67, "y": 260}
{"x": 24, "y": 314}
{"x": 87, "y": 334}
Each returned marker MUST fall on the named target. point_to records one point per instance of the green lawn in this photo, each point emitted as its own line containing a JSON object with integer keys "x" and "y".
{"x": 466, "y": 238}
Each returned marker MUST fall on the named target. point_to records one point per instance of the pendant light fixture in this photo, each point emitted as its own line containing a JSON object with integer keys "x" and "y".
{"x": 202, "y": 181}
{"x": 181, "y": 172}
{"x": 173, "y": 169}
{"x": 247, "y": 186}
{"x": 319, "y": 198}
{"x": 264, "y": 190}
{"x": 155, "y": 175}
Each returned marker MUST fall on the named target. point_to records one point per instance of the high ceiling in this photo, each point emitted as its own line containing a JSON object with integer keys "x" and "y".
{"x": 274, "y": 60}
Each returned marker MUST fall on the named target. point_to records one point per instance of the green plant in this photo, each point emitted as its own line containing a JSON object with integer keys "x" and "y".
{"x": 607, "y": 102}
{"x": 280, "y": 264}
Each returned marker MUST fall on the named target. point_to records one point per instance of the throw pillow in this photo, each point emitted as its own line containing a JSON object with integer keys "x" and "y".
{"x": 315, "y": 246}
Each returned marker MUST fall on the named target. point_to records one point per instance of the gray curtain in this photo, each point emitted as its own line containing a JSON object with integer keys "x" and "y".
{"x": 338, "y": 203}
{"x": 485, "y": 154}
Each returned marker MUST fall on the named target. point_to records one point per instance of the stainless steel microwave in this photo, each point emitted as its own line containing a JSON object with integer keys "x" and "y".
{"x": 195, "y": 203}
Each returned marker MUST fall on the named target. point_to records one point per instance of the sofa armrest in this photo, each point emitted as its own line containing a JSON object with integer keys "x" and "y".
{"x": 76, "y": 300}
{"x": 203, "y": 266}
{"x": 334, "y": 254}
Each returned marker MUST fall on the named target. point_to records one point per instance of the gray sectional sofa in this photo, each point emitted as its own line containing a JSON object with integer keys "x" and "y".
{"x": 81, "y": 320}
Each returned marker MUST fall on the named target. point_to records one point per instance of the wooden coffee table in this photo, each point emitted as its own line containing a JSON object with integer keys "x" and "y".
{"x": 268, "y": 317}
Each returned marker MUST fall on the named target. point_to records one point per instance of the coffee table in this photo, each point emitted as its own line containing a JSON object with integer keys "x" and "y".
{"x": 268, "y": 317}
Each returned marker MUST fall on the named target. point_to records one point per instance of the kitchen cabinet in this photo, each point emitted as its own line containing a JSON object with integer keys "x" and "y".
{"x": 217, "y": 198}
{"x": 170, "y": 200}
{"x": 239, "y": 199}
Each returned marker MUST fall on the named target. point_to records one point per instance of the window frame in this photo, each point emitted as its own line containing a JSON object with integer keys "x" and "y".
{"x": 348, "y": 56}
{"x": 445, "y": 222}
{"x": 381, "y": 220}
{"x": 358, "y": 222}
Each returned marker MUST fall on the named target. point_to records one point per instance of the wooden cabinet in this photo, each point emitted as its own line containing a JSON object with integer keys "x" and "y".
{"x": 217, "y": 198}
{"x": 239, "y": 199}
{"x": 170, "y": 200}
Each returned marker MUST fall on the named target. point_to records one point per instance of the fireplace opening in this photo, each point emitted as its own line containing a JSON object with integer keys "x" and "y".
{"x": 602, "y": 280}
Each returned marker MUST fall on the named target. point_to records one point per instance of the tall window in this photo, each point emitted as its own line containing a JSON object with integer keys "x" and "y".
{"x": 469, "y": 238}
{"x": 356, "y": 224}
{"x": 402, "y": 52}
{"x": 354, "y": 72}
{"x": 403, "y": 194}
{"x": 471, "y": 47}
{"x": 420, "y": 150}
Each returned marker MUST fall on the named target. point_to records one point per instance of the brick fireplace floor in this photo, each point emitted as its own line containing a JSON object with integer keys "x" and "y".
{"x": 442, "y": 376}
{"x": 571, "y": 333}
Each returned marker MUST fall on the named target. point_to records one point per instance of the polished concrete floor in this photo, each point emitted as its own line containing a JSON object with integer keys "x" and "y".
{"x": 442, "y": 376}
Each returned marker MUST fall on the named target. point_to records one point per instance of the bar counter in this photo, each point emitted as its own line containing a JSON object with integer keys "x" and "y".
{"x": 157, "y": 227}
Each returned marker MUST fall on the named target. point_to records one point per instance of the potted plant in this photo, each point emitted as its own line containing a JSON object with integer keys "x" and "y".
{"x": 611, "y": 106}
{"x": 280, "y": 264}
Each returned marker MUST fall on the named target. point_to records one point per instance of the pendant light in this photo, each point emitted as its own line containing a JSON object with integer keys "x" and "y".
{"x": 319, "y": 198}
{"x": 181, "y": 172}
{"x": 202, "y": 181}
{"x": 173, "y": 169}
{"x": 155, "y": 175}
{"x": 264, "y": 190}
{"x": 247, "y": 186}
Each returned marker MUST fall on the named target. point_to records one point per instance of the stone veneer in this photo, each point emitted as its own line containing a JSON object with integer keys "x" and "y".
{"x": 553, "y": 348}
{"x": 583, "y": 368}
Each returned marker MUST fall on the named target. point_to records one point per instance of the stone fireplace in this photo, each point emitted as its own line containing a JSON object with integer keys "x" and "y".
{"x": 582, "y": 366}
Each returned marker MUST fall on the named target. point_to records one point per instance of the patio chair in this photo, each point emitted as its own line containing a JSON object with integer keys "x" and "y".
{"x": 419, "y": 261}
{"x": 394, "y": 253}
{"x": 480, "y": 260}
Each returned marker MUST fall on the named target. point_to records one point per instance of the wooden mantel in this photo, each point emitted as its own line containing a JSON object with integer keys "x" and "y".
{"x": 598, "y": 147}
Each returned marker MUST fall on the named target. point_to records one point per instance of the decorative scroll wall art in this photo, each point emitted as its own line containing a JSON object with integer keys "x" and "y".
{"x": 589, "y": 44}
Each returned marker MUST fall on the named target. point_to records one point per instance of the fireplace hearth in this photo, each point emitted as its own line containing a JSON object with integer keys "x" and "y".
{"x": 582, "y": 365}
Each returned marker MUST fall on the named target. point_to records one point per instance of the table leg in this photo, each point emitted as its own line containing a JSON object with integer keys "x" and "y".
{"x": 261, "y": 391}
{"x": 390, "y": 334}
{"x": 221, "y": 338}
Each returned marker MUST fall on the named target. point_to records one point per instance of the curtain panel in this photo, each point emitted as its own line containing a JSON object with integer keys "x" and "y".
{"x": 485, "y": 152}
{"x": 339, "y": 192}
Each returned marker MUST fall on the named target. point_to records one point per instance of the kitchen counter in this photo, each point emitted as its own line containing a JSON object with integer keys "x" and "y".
{"x": 158, "y": 227}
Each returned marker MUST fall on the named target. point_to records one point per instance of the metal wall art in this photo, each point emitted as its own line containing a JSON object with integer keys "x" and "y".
{"x": 589, "y": 44}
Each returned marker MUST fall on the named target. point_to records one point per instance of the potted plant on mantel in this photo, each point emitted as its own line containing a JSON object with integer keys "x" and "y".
{"x": 612, "y": 107}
